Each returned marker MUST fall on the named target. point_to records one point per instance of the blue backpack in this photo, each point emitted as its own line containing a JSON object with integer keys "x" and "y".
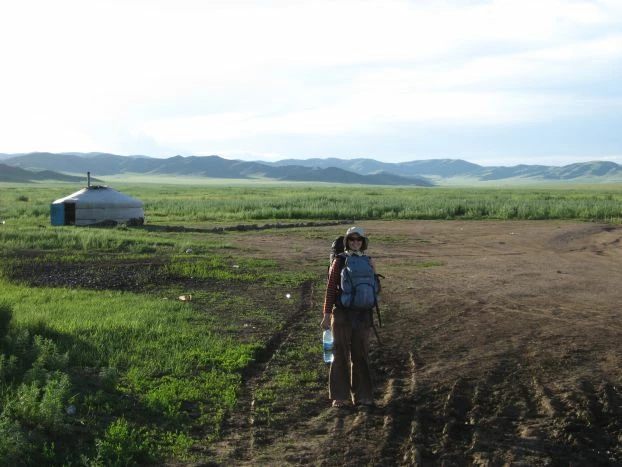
{"x": 359, "y": 284}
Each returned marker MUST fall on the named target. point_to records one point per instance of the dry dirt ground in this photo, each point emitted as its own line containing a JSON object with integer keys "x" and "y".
{"x": 500, "y": 345}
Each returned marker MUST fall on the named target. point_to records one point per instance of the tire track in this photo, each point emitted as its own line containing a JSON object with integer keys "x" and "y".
{"x": 400, "y": 420}
{"x": 457, "y": 432}
{"x": 244, "y": 430}
{"x": 411, "y": 448}
{"x": 514, "y": 418}
{"x": 519, "y": 419}
{"x": 385, "y": 433}
{"x": 592, "y": 424}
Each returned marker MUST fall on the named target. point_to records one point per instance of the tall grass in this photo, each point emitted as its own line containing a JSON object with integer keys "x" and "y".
{"x": 236, "y": 204}
{"x": 200, "y": 204}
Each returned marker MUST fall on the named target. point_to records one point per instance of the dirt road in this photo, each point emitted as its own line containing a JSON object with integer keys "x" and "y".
{"x": 501, "y": 345}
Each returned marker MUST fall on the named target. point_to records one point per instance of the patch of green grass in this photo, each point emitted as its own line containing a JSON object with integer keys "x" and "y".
{"x": 238, "y": 269}
{"x": 156, "y": 352}
{"x": 221, "y": 268}
{"x": 124, "y": 443}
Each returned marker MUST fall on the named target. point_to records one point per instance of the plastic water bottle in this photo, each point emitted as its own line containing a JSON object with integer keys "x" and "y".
{"x": 327, "y": 341}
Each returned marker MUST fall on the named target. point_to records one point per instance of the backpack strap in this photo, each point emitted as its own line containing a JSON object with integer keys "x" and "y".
{"x": 341, "y": 257}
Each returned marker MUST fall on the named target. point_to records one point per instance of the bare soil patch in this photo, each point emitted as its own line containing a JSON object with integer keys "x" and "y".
{"x": 500, "y": 346}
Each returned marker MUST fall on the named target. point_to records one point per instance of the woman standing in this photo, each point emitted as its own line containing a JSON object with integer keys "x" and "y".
{"x": 350, "y": 375}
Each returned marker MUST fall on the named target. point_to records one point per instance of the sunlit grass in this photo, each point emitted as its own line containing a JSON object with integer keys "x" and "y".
{"x": 201, "y": 205}
{"x": 161, "y": 353}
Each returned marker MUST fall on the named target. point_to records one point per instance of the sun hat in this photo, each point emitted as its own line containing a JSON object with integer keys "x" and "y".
{"x": 358, "y": 231}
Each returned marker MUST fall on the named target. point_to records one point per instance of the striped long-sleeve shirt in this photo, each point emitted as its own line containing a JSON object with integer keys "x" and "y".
{"x": 332, "y": 285}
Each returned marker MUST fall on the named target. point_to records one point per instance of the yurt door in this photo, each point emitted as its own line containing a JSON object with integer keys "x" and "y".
{"x": 70, "y": 213}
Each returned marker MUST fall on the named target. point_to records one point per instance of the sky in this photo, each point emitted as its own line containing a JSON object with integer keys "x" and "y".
{"x": 498, "y": 82}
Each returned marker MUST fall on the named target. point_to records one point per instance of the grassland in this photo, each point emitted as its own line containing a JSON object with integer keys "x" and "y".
{"x": 102, "y": 364}
{"x": 217, "y": 204}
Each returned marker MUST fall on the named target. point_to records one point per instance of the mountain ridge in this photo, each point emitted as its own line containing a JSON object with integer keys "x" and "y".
{"x": 18, "y": 175}
{"x": 427, "y": 172}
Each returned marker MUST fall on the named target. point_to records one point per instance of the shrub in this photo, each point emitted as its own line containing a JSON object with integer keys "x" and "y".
{"x": 41, "y": 405}
{"x": 13, "y": 444}
{"x": 122, "y": 445}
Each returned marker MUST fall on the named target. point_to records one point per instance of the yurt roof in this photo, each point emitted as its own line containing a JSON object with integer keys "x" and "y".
{"x": 100, "y": 196}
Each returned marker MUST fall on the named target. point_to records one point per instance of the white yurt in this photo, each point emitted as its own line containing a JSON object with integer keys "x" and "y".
{"x": 97, "y": 205}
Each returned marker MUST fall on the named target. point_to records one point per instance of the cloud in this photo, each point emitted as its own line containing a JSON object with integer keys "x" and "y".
{"x": 189, "y": 75}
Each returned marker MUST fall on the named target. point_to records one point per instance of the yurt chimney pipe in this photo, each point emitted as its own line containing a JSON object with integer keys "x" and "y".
{"x": 88, "y": 179}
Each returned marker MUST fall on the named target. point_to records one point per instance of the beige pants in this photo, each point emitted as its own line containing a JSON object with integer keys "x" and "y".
{"x": 350, "y": 375}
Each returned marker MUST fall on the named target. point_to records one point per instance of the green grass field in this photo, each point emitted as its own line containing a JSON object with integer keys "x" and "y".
{"x": 217, "y": 204}
{"x": 117, "y": 376}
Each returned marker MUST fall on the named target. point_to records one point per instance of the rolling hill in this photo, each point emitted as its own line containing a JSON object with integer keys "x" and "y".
{"x": 207, "y": 166}
{"x": 18, "y": 175}
{"x": 331, "y": 170}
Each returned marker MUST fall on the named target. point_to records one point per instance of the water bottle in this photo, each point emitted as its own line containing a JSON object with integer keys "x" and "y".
{"x": 327, "y": 341}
